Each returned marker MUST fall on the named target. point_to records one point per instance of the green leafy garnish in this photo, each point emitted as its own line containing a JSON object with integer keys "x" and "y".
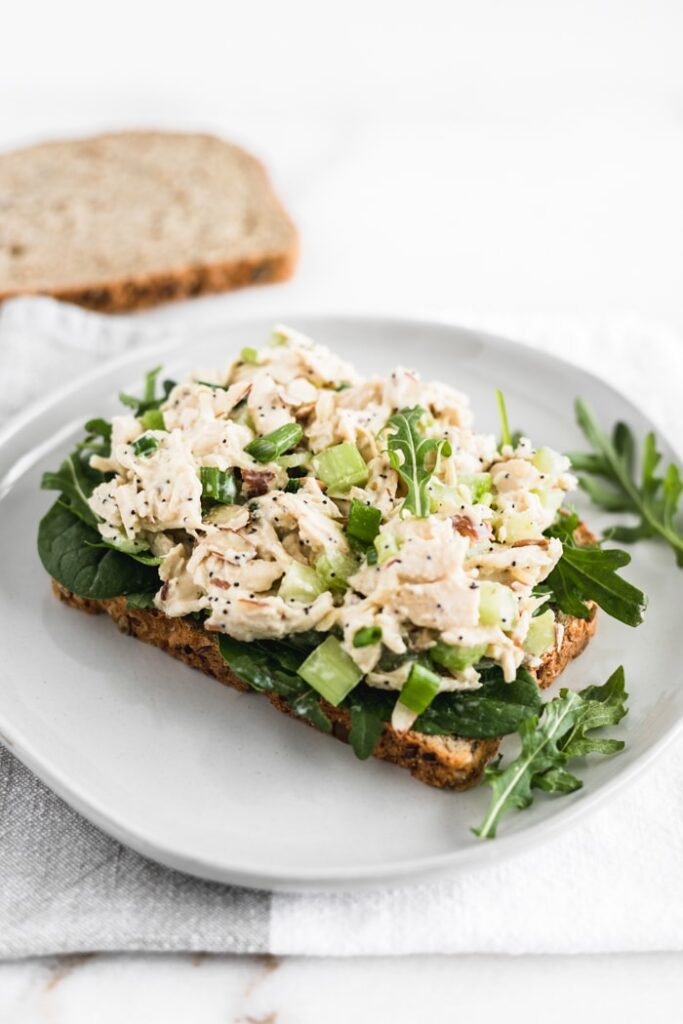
{"x": 414, "y": 457}
{"x": 150, "y": 399}
{"x": 609, "y": 477}
{"x": 72, "y": 553}
{"x": 589, "y": 573}
{"x": 549, "y": 742}
{"x": 505, "y": 435}
{"x": 76, "y": 482}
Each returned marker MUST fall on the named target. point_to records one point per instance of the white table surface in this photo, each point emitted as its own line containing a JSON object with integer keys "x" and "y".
{"x": 494, "y": 158}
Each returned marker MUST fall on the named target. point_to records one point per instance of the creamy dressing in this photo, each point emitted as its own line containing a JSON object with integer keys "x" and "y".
{"x": 489, "y": 510}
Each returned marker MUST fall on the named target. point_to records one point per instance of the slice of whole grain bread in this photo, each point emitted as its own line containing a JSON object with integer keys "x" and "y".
{"x": 450, "y": 762}
{"x": 123, "y": 221}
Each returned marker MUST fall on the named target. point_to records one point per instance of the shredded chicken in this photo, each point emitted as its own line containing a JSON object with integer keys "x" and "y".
{"x": 423, "y": 581}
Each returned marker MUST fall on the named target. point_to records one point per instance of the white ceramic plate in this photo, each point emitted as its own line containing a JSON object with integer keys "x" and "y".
{"x": 216, "y": 783}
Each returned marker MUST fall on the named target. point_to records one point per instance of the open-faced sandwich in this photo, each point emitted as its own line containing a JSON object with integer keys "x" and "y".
{"x": 349, "y": 547}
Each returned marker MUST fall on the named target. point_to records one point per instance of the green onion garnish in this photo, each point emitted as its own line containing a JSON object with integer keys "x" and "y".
{"x": 364, "y": 522}
{"x": 218, "y": 485}
{"x": 420, "y": 689}
{"x": 269, "y": 447}
{"x": 367, "y": 635}
{"x": 505, "y": 436}
{"x": 249, "y": 355}
{"x": 145, "y": 445}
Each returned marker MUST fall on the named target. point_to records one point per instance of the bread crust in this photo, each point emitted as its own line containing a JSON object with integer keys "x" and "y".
{"x": 141, "y": 290}
{"x": 447, "y": 762}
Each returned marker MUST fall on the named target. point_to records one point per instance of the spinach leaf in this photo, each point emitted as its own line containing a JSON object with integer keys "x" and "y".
{"x": 76, "y": 481}
{"x": 69, "y": 550}
{"x": 495, "y": 709}
{"x": 257, "y": 665}
{"x": 414, "y": 457}
{"x": 549, "y": 742}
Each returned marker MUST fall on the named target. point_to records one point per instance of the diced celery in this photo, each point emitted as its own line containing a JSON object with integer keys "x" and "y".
{"x": 386, "y": 546}
{"x": 295, "y": 460}
{"x": 420, "y": 689}
{"x": 479, "y": 485}
{"x": 541, "y": 635}
{"x": 549, "y": 462}
{"x": 300, "y": 583}
{"x": 334, "y": 569}
{"x": 551, "y": 498}
{"x": 331, "y": 671}
{"x": 497, "y": 605}
{"x": 521, "y": 526}
{"x": 456, "y": 659}
{"x": 341, "y": 467}
{"x": 153, "y": 419}
{"x": 224, "y": 515}
{"x": 249, "y": 355}
{"x": 363, "y": 522}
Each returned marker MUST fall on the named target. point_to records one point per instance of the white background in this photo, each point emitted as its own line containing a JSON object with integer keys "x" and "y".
{"x": 495, "y": 157}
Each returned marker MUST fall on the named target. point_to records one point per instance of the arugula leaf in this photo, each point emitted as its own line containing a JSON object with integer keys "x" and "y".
{"x": 70, "y": 551}
{"x": 653, "y": 499}
{"x": 549, "y": 742}
{"x": 589, "y": 573}
{"x": 409, "y": 453}
{"x": 150, "y": 399}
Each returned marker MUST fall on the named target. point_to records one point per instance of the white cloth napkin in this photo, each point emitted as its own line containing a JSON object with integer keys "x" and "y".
{"x": 614, "y": 883}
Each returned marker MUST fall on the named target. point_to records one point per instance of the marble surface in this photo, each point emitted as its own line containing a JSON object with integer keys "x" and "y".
{"x": 267, "y": 990}
{"x": 492, "y": 157}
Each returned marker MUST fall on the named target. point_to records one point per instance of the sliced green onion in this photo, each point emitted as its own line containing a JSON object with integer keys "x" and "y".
{"x": 270, "y": 446}
{"x": 218, "y": 485}
{"x": 420, "y": 689}
{"x": 456, "y": 659}
{"x": 145, "y": 445}
{"x": 300, "y": 583}
{"x": 367, "y": 636}
{"x": 364, "y": 521}
{"x": 541, "y": 635}
{"x": 331, "y": 671}
{"x": 292, "y": 486}
{"x": 334, "y": 569}
{"x": 341, "y": 467}
{"x": 153, "y": 419}
{"x": 249, "y": 355}
{"x": 386, "y": 546}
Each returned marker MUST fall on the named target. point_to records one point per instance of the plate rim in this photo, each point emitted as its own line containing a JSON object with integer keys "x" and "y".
{"x": 412, "y": 870}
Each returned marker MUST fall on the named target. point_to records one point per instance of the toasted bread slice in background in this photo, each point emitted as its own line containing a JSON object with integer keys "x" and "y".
{"x": 123, "y": 221}
{"x": 450, "y": 762}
